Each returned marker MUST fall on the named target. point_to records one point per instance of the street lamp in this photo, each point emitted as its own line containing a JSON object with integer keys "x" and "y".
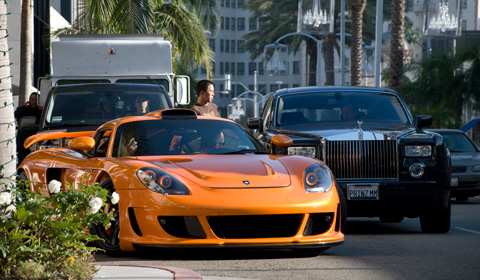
{"x": 312, "y": 18}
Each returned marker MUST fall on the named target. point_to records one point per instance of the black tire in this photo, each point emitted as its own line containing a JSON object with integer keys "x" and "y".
{"x": 343, "y": 210}
{"x": 391, "y": 218}
{"x": 437, "y": 221}
{"x": 110, "y": 241}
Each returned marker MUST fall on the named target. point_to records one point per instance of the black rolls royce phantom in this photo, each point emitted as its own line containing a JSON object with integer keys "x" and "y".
{"x": 388, "y": 166}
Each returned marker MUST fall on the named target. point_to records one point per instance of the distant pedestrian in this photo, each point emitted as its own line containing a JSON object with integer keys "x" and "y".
{"x": 205, "y": 105}
{"x": 30, "y": 109}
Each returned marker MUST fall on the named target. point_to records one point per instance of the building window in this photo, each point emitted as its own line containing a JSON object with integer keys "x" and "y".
{"x": 211, "y": 43}
{"x": 252, "y": 66}
{"x": 273, "y": 87}
{"x": 232, "y": 46}
{"x": 233, "y": 23}
{"x": 240, "y": 48}
{"x": 241, "y": 24}
{"x": 227, "y": 68}
{"x": 296, "y": 85}
{"x": 222, "y": 26}
{"x": 232, "y": 67}
{"x": 227, "y": 23}
{"x": 464, "y": 25}
{"x": 240, "y": 68}
{"x": 262, "y": 88}
{"x": 227, "y": 3}
{"x": 227, "y": 46}
{"x": 221, "y": 45}
{"x": 409, "y": 5}
{"x": 240, "y": 3}
{"x": 464, "y": 4}
{"x": 252, "y": 24}
{"x": 233, "y": 3}
{"x": 296, "y": 67}
{"x": 261, "y": 70}
{"x": 221, "y": 69}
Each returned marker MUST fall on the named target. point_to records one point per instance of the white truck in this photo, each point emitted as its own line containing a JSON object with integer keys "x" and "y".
{"x": 89, "y": 71}
{"x": 117, "y": 58}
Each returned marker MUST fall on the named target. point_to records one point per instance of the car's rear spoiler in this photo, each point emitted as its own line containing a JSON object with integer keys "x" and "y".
{"x": 54, "y": 135}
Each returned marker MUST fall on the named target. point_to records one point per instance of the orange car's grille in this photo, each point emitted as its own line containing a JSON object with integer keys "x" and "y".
{"x": 268, "y": 226}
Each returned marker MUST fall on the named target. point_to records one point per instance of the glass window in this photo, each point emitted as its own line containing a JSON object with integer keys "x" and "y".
{"x": 241, "y": 24}
{"x": 221, "y": 45}
{"x": 221, "y": 69}
{"x": 232, "y": 46}
{"x": 232, "y": 21}
{"x": 252, "y": 66}
{"x": 227, "y": 23}
{"x": 240, "y": 3}
{"x": 296, "y": 67}
{"x": 240, "y": 48}
{"x": 211, "y": 43}
{"x": 261, "y": 70}
{"x": 227, "y": 67}
{"x": 232, "y": 68}
{"x": 227, "y": 46}
{"x": 252, "y": 24}
{"x": 241, "y": 68}
{"x": 222, "y": 26}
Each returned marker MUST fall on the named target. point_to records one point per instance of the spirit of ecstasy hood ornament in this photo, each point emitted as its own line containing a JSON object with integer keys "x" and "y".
{"x": 359, "y": 130}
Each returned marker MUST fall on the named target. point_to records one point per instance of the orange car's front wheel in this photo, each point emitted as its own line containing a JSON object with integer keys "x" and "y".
{"x": 109, "y": 235}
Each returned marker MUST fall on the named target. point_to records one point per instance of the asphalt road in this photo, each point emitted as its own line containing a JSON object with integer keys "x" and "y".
{"x": 372, "y": 250}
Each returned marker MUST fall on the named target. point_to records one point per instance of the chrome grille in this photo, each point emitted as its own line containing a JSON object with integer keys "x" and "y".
{"x": 362, "y": 159}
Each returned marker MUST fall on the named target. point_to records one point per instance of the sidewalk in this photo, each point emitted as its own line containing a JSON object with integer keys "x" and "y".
{"x": 139, "y": 272}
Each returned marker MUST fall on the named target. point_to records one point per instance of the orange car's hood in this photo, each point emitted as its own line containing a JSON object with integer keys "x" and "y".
{"x": 229, "y": 171}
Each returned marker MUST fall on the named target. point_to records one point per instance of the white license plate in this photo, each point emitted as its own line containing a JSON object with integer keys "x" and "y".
{"x": 362, "y": 192}
{"x": 454, "y": 182}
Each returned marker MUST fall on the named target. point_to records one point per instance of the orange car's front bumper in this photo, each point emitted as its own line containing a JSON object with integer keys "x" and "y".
{"x": 273, "y": 218}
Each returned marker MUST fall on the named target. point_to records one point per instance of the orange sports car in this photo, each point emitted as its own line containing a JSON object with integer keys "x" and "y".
{"x": 191, "y": 181}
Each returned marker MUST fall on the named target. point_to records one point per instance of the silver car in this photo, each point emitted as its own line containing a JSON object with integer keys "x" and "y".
{"x": 465, "y": 181}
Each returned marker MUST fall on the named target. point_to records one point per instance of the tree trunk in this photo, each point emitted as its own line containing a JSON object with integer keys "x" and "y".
{"x": 26, "y": 38}
{"x": 8, "y": 149}
{"x": 329, "y": 44}
{"x": 396, "y": 46}
{"x": 356, "y": 8}
{"x": 312, "y": 66}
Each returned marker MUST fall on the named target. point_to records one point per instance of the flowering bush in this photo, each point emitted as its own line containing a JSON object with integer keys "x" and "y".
{"x": 44, "y": 237}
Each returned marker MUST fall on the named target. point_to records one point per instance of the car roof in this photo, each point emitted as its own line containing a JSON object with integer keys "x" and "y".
{"x": 440, "y": 130}
{"x": 312, "y": 89}
{"x": 110, "y": 85}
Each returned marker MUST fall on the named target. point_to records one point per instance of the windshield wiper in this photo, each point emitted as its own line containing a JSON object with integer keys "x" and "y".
{"x": 245, "y": 151}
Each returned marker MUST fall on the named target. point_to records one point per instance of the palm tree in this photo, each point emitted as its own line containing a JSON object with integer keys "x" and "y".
{"x": 183, "y": 22}
{"x": 7, "y": 121}
{"x": 356, "y": 8}
{"x": 26, "y": 51}
{"x": 396, "y": 46}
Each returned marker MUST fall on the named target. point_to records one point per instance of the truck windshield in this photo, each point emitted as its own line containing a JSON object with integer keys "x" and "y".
{"x": 96, "y": 104}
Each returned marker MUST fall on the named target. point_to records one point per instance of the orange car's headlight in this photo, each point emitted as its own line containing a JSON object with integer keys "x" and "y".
{"x": 161, "y": 182}
{"x": 317, "y": 178}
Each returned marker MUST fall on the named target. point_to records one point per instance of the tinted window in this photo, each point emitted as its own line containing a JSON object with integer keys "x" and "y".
{"x": 458, "y": 143}
{"x": 179, "y": 137}
{"x": 99, "y": 104}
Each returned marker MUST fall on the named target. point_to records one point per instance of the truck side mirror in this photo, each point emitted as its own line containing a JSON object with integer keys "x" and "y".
{"x": 182, "y": 94}
{"x": 44, "y": 85}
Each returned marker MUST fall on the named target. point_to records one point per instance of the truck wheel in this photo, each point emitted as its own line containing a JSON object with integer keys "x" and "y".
{"x": 110, "y": 241}
{"x": 437, "y": 221}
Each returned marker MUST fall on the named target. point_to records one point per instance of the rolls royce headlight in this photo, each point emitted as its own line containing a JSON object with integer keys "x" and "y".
{"x": 317, "y": 178}
{"x": 418, "y": 151}
{"x": 160, "y": 181}
{"x": 476, "y": 168}
{"x": 302, "y": 151}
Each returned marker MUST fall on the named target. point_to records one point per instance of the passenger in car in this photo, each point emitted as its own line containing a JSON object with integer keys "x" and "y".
{"x": 351, "y": 113}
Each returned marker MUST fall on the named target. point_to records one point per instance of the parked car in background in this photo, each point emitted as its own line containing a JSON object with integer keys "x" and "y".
{"x": 465, "y": 180}
{"x": 192, "y": 181}
{"x": 386, "y": 164}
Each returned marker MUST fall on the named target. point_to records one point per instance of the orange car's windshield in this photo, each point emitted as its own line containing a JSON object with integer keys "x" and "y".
{"x": 183, "y": 137}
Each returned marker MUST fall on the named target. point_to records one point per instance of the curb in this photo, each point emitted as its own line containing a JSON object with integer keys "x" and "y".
{"x": 178, "y": 273}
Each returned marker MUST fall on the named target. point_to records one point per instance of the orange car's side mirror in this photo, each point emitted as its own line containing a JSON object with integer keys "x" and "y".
{"x": 281, "y": 141}
{"x": 82, "y": 143}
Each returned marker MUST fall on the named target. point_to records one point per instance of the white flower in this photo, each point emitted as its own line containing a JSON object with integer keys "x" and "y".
{"x": 115, "y": 198}
{"x": 5, "y": 198}
{"x": 95, "y": 205}
{"x": 54, "y": 186}
{"x": 10, "y": 210}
